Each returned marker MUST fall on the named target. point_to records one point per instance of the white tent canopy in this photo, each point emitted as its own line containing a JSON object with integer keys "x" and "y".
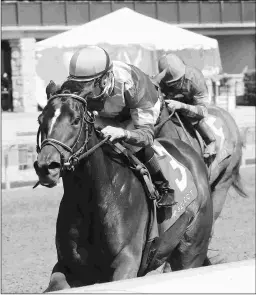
{"x": 125, "y": 26}
{"x": 128, "y": 36}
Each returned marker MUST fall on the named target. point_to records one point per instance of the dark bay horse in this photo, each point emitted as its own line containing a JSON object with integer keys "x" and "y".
{"x": 225, "y": 174}
{"x": 104, "y": 215}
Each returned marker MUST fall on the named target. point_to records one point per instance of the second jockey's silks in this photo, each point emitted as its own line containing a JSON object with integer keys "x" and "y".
{"x": 193, "y": 93}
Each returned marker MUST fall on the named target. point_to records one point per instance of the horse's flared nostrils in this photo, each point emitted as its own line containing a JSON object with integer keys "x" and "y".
{"x": 48, "y": 155}
{"x": 48, "y": 166}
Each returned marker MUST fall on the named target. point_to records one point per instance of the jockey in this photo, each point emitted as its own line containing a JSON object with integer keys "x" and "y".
{"x": 185, "y": 89}
{"x": 116, "y": 88}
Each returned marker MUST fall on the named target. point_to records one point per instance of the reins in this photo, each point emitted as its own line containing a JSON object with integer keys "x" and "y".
{"x": 82, "y": 153}
{"x": 181, "y": 124}
{"x": 160, "y": 126}
{"x": 91, "y": 150}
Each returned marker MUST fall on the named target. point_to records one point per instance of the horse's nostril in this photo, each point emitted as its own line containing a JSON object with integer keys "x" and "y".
{"x": 54, "y": 165}
{"x": 42, "y": 169}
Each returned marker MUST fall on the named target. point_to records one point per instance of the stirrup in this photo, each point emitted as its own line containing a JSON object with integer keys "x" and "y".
{"x": 166, "y": 198}
{"x": 209, "y": 154}
{"x": 165, "y": 202}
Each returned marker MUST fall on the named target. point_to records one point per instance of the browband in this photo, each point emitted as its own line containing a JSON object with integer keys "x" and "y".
{"x": 77, "y": 97}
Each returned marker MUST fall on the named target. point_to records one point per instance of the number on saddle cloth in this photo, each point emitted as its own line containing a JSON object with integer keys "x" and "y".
{"x": 180, "y": 179}
{"x": 224, "y": 148}
{"x": 216, "y": 126}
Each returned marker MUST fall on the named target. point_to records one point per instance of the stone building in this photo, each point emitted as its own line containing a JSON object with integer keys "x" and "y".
{"x": 232, "y": 23}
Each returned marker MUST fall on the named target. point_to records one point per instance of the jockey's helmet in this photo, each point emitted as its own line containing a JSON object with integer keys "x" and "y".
{"x": 171, "y": 68}
{"x": 89, "y": 63}
{"x": 93, "y": 63}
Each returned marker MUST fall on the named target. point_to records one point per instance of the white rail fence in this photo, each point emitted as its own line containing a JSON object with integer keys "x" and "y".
{"x": 234, "y": 277}
{"x": 17, "y": 164}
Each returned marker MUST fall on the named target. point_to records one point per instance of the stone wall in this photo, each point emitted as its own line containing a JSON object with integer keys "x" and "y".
{"x": 23, "y": 74}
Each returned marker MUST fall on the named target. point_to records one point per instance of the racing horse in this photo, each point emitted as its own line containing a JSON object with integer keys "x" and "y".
{"x": 104, "y": 218}
{"x": 224, "y": 170}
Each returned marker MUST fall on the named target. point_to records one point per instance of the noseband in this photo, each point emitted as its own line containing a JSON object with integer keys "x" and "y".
{"x": 88, "y": 119}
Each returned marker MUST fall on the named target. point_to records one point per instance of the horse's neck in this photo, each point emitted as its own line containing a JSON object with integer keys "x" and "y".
{"x": 98, "y": 165}
{"x": 102, "y": 172}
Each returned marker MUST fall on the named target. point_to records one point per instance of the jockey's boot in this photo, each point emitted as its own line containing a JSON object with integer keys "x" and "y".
{"x": 166, "y": 193}
{"x": 208, "y": 137}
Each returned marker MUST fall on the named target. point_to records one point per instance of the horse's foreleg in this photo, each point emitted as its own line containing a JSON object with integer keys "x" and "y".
{"x": 58, "y": 280}
{"x": 126, "y": 265}
{"x": 207, "y": 262}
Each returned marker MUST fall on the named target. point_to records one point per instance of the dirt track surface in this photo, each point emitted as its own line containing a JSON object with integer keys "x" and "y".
{"x": 28, "y": 230}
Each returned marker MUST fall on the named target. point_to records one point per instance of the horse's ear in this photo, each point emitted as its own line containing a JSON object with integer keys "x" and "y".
{"x": 51, "y": 89}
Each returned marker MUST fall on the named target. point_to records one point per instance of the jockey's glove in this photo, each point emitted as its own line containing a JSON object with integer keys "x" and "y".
{"x": 193, "y": 111}
{"x": 115, "y": 133}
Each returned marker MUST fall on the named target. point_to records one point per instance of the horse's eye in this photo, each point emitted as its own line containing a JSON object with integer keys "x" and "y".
{"x": 76, "y": 121}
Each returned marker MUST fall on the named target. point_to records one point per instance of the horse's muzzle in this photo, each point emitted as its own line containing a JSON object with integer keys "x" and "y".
{"x": 48, "y": 174}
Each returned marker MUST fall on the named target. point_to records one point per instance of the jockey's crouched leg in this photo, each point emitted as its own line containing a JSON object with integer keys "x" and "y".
{"x": 148, "y": 157}
{"x": 209, "y": 138}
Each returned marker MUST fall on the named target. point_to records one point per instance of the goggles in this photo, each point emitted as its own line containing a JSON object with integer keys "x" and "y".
{"x": 102, "y": 87}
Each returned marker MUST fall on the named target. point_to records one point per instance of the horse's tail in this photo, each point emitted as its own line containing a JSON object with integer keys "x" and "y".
{"x": 237, "y": 180}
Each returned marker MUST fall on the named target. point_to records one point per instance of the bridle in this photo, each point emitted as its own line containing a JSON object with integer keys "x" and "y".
{"x": 88, "y": 119}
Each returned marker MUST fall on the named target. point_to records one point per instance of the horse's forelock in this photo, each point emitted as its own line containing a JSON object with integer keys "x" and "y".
{"x": 75, "y": 87}
{"x": 71, "y": 87}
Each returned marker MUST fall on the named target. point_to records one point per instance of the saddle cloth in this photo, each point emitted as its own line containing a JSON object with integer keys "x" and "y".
{"x": 180, "y": 179}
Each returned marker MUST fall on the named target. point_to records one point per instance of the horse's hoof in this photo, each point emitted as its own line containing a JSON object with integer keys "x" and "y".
{"x": 167, "y": 268}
